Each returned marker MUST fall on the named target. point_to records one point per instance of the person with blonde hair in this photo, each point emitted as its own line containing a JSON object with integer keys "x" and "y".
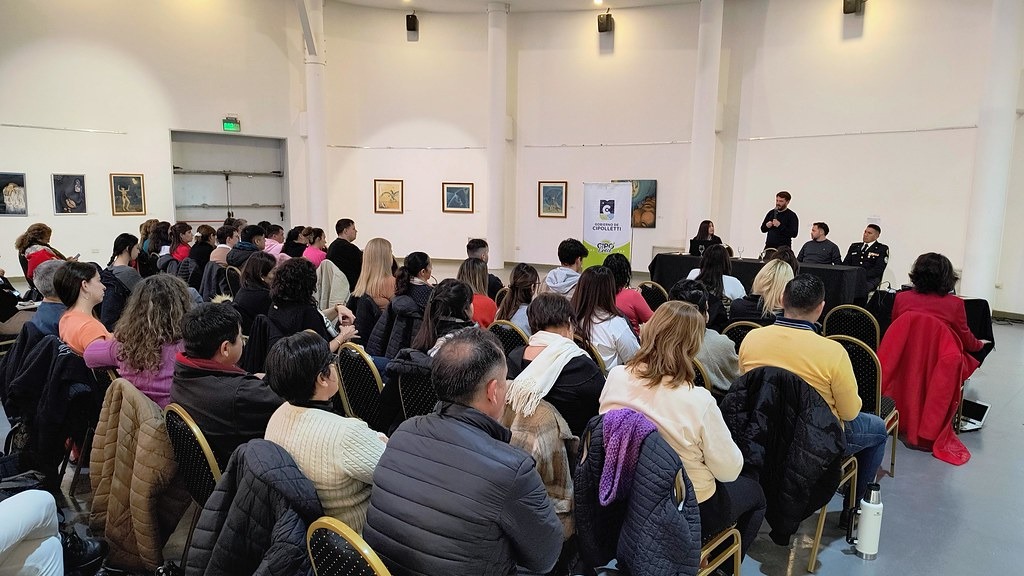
{"x": 658, "y": 383}
{"x": 147, "y": 338}
{"x": 375, "y": 275}
{"x": 764, "y": 302}
{"x": 473, "y": 271}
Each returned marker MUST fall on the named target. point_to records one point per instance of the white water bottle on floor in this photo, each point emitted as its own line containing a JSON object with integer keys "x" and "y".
{"x": 869, "y": 527}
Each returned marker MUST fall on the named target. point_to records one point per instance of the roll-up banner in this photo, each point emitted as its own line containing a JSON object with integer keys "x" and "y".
{"x": 606, "y": 220}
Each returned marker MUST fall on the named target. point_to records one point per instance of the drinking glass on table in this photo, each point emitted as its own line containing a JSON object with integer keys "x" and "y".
{"x": 700, "y": 249}
{"x": 740, "y": 250}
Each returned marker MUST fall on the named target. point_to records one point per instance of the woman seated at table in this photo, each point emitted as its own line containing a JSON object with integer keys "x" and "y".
{"x": 934, "y": 278}
{"x": 768, "y": 286}
{"x": 293, "y": 308}
{"x": 553, "y": 368}
{"x": 337, "y": 454}
{"x": 628, "y": 300}
{"x": 599, "y": 320}
{"x": 522, "y": 286}
{"x": 79, "y": 288}
{"x": 658, "y": 383}
{"x": 705, "y": 237}
{"x": 715, "y": 274}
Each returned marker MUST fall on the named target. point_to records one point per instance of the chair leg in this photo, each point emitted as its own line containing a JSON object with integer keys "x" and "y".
{"x": 895, "y": 436}
{"x": 811, "y": 564}
{"x": 188, "y": 541}
{"x": 86, "y": 447}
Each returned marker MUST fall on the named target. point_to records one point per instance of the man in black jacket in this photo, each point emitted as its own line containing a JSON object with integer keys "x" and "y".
{"x": 450, "y": 495}
{"x": 344, "y": 254}
{"x": 872, "y": 256}
{"x": 781, "y": 224}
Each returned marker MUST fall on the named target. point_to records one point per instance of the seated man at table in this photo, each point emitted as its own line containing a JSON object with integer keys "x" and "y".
{"x": 793, "y": 343}
{"x": 872, "y": 256}
{"x": 819, "y": 249}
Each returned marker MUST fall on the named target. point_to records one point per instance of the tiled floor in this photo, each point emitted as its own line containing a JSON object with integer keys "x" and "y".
{"x": 939, "y": 519}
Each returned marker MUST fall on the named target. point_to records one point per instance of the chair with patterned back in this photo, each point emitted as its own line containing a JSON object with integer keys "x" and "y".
{"x": 501, "y": 295}
{"x": 361, "y": 384}
{"x": 737, "y": 331}
{"x": 337, "y": 550}
{"x": 233, "y": 276}
{"x": 654, "y": 294}
{"x": 510, "y": 335}
{"x": 591, "y": 351}
{"x": 868, "y": 371}
{"x": 417, "y": 394}
{"x": 853, "y": 321}
{"x": 849, "y": 474}
{"x": 701, "y": 376}
{"x": 196, "y": 465}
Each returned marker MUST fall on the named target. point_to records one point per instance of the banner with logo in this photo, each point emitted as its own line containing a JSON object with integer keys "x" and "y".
{"x": 606, "y": 220}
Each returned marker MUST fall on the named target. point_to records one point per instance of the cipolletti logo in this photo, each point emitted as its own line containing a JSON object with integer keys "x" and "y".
{"x": 607, "y": 209}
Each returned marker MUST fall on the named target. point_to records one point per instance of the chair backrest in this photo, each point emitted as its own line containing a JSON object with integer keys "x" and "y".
{"x": 737, "y": 331}
{"x": 510, "y": 335}
{"x": 589, "y": 349}
{"x": 701, "y": 378}
{"x": 233, "y": 276}
{"x": 654, "y": 294}
{"x": 361, "y": 384}
{"x": 867, "y": 369}
{"x": 853, "y": 321}
{"x": 196, "y": 464}
{"x": 417, "y": 394}
{"x": 337, "y": 550}
{"x": 501, "y": 295}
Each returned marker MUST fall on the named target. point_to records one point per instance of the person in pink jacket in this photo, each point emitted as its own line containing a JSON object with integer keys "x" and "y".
{"x": 627, "y": 300}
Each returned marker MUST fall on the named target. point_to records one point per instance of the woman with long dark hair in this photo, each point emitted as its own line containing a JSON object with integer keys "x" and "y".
{"x": 181, "y": 237}
{"x": 473, "y": 271}
{"x": 715, "y": 274}
{"x": 160, "y": 238}
{"x": 522, "y": 287}
{"x": 706, "y": 233}
{"x": 126, "y": 250}
{"x": 401, "y": 320}
{"x": 599, "y": 320}
{"x": 205, "y": 242}
{"x": 629, "y": 301}
{"x": 79, "y": 288}
{"x": 253, "y": 298}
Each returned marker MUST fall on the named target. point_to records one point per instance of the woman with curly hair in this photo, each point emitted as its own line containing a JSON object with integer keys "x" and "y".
{"x": 147, "y": 337}
{"x": 934, "y": 278}
{"x": 522, "y": 287}
{"x": 293, "y": 308}
{"x": 34, "y": 248}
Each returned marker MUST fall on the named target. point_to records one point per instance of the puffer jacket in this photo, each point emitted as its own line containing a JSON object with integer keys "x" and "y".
{"x": 791, "y": 442}
{"x": 137, "y": 500}
{"x": 647, "y": 532}
{"x": 255, "y": 521}
{"x": 452, "y": 497}
{"x": 399, "y": 322}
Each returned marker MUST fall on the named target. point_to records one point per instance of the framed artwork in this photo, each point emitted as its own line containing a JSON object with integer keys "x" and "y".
{"x": 127, "y": 195}
{"x": 69, "y": 193}
{"x": 645, "y": 203}
{"x": 14, "y": 201}
{"x": 551, "y": 199}
{"x": 457, "y": 197}
{"x": 387, "y": 196}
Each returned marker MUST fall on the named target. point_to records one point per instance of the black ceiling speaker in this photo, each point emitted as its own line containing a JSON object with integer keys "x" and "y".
{"x": 412, "y": 23}
{"x": 605, "y": 22}
{"x": 853, "y": 6}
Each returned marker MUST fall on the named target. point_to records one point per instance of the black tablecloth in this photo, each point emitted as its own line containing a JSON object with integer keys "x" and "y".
{"x": 841, "y": 282}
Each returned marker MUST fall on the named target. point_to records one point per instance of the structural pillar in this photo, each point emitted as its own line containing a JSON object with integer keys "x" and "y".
{"x": 993, "y": 153}
{"x": 311, "y": 16}
{"x": 705, "y": 111}
{"x": 497, "y": 71}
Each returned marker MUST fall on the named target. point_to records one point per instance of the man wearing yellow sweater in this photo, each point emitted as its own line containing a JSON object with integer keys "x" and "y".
{"x": 793, "y": 343}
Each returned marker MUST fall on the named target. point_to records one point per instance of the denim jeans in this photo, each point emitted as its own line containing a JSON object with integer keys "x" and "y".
{"x": 865, "y": 439}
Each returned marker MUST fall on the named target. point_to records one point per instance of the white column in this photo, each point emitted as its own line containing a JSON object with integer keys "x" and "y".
{"x": 497, "y": 70}
{"x": 311, "y": 16}
{"x": 705, "y": 110}
{"x": 993, "y": 153}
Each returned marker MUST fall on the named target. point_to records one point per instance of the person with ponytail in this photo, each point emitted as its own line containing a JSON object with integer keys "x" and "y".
{"x": 522, "y": 286}
{"x": 296, "y": 241}
{"x": 181, "y": 236}
{"x": 315, "y": 252}
{"x": 401, "y": 319}
{"x": 126, "y": 250}
{"x": 206, "y": 241}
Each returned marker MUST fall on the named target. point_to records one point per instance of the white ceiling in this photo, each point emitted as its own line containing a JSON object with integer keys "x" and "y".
{"x": 515, "y": 5}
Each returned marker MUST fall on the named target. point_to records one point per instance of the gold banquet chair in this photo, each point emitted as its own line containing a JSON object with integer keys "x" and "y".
{"x": 510, "y": 335}
{"x": 737, "y": 331}
{"x": 853, "y": 321}
{"x": 361, "y": 384}
{"x": 337, "y": 550}
{"x": 654, "y": 294}
{"x": 849, "y": 474}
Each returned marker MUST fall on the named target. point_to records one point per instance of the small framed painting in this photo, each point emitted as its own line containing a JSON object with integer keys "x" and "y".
{"x": 127, "y": 194}
{"x": 387, "y": 196}
{"x": 69, "y": 193}
{"x": 14, "y": 201}
{"x": 457, "y": 197}
{"x": 551, "y": 199}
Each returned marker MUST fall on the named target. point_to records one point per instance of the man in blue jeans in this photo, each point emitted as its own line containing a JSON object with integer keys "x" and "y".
{"x": 793, "y": 343}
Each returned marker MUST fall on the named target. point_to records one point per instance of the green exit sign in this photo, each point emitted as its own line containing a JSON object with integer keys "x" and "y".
{"x": 231, "y": 124}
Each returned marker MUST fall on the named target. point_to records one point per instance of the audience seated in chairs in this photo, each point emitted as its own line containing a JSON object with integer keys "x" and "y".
{"x": 374, "y": 289}
{"x": 147, "y": 338}
{"x": 502, "y": 518}
{"x": 401, "y": 320}
{"x": 159, "y": 242}
{"x": 658, "y": 383}
{"x": 253, "y": 298}
{"x": 253, "y": 240}
{"x": 227, "y": 238}
{"x": 522, "y": 287}
{"x": 202, "y": 248}
{"x": 553, "y": 367}
{"x": 562, "y": 280}
{"x": 181, "y": 238}
{"x": 768, "y": 286}
{"x": 34, "y": 248}
{"x": 718, "y": 317}
{"x": 293, "y": 309}
{"x": 316, "y": 250}
{"x": 793, "y": 344}
{"x": 80, "y": 289}
{"x": 715, "y": 273}
{"x": 50, "y": 310}
{"x": 337, "y": 454}
{"x": 229, "y": 405}
{"x": 628, "y": 300}
{"x": 599, "y": 320}
{"x": 296, "y": 242}
{"x": 126, "y": 250}
{"x": 473, "y": 271}
{"x": 717, "y": 352}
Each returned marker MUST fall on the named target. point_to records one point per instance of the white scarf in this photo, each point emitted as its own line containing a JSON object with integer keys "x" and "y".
{"x": 536, "y": 380}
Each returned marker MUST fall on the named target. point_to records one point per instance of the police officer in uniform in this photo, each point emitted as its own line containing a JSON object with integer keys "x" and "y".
{"x": 871, "y": 255}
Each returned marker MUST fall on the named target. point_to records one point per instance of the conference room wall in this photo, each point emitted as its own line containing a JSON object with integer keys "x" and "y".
{"x": 139, "y": 71}
{"x": 1009, "y": 295}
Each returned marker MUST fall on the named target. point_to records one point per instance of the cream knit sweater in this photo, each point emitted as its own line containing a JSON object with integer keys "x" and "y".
{"x": 337, "y": 454}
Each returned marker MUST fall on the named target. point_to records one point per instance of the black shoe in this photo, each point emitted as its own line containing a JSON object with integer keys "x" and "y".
{"x": 84, "y": 555}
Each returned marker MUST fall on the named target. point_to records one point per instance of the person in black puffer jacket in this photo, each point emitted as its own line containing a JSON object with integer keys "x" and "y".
{"x": 401, "y": 320}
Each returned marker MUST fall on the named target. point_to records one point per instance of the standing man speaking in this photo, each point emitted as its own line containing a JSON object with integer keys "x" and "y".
{"x": 780, "y": 224}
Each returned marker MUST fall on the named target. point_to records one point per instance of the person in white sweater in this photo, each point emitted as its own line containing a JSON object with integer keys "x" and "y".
{"x": 658, "y": 383}
{"x": 599, "y": 320}
{"x": 337, "y": 454}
